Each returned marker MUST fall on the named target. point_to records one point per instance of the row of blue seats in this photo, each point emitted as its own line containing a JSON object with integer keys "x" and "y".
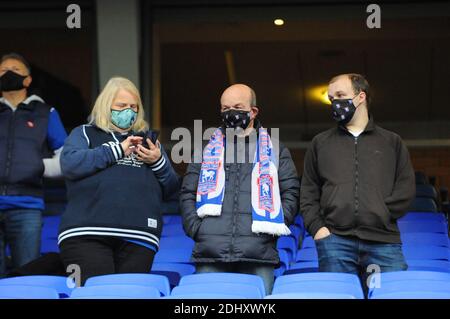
{"x": 408, "y": 284}
{"x": 169, "y": 260}
{"x": 173, "y": 236}
{"x": 418, "y": 230}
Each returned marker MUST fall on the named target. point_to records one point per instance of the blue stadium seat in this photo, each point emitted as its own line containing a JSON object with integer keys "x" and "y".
{"x": 173, "y": 256}
{"x": 299, "y": 221}
{"x": 307, "y": 254}
{"x": 308, "y": 242}
{"x": 244, "y": 291}
{"x": 172, "y": 276}
{"x": 149, "y": 280}
{"x": 115, "y": 292}
{"x": 51, "y": 221}
{"x": 296, "y": 233}
{"x": 413, "y": 295}
{"x": 173, "y": 271}
{"x": 317, "y": 277}
{"x": 309, "y": 295}
{"x": 172, "y": 219}
{"x": 409, "y": 276}
{"x": 50, "y": 226}
{"x": 423, "y": 216}
{"x": 182, "y": 242}
{"x": 312, "y": 287}
{"x": 284, "y": 263}
{"x": 27, "y": 292}
{"x": 433, "y": 239}
{"x": 417, "y": 287}
{"x": 421, "y": 204}
{"x": 414, "y": 275}
{"x": 422, "y": 227}
{"x": 303, "y": 267}
{"x": 182, "y": 269}
{"x": 288, "y": 244}
{"x": 425, "y": 252}
{"x": 212, "y": 278}
{"x": 49, "y": 245}
{"x": 203, "y": 296}
{"x": 172, "y": 230}
{"x": 49, "y": 234}
{"x": 58, "y": 283}
{"x": 429, "y": 265}
{"x": 335, "y": 283}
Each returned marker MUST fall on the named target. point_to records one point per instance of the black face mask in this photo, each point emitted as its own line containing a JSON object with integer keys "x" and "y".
{"x": 234, "y": 119}
{"x": 343, "y": 110}
{"x": 11, "y": 81}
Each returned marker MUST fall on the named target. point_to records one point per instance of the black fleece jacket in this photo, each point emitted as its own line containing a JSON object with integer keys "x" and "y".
{"x": 357, "y": 186}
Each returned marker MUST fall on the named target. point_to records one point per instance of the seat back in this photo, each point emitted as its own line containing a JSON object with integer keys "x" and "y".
{"x": 149, "y": 280}
{"x": 27, "y": 292}
{"x": 212, "y": 278}
{"x": 115, "y": 292}
{"x": 63, "y": 285}
{"x": 244, "y": 291}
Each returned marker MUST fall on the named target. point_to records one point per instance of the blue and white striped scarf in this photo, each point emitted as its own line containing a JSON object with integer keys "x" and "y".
{"x": 267, "y": 211}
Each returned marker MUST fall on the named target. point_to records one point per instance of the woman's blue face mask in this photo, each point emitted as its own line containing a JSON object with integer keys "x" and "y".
{"x": 123, "y": 119}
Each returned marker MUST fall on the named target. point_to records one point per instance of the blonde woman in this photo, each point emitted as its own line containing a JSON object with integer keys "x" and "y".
{"x": 116, "y": 178}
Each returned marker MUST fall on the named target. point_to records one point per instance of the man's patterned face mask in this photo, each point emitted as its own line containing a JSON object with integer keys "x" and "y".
{"x": 343, "y": 110}
{"x": 235, "y": 118}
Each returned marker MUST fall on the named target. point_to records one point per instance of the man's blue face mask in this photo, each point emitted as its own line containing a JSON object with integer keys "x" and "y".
{"x": 123, "y": 119}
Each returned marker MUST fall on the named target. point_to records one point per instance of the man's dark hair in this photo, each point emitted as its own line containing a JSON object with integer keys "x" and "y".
{"x": 16, "y": 56}
{"x": 359, "y": 84}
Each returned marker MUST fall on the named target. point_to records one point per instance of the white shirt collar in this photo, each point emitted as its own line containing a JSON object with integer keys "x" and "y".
{"x": 26, "y": 101}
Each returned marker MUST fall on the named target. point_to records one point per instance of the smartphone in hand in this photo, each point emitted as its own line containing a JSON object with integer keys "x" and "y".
{"x": 152, "y": 135}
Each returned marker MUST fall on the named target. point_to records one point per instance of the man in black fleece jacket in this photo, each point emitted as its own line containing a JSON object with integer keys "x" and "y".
{"x": 357, "y": 181}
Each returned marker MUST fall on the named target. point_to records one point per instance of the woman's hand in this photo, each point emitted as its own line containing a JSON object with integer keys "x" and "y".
{"x": 149, "y": 155}
{"x": 129, "y": 145}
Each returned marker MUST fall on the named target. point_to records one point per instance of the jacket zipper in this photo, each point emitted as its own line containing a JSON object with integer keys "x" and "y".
{"x": 356, "y": 196}
{"x": 233, "y": 232}
{"x": 227, "y": 177}
{"x": 10, "y": 145}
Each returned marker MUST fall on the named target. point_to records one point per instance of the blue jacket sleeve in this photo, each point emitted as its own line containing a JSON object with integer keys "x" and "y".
{"x": 79, "y": 161}
{"x": 56, "y": 133}
{"x": 166, "y": 175}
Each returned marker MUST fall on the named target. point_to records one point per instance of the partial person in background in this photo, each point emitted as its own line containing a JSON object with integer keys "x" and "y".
{"x": 29, "y": 130}
{"x": 117, "y": 175}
